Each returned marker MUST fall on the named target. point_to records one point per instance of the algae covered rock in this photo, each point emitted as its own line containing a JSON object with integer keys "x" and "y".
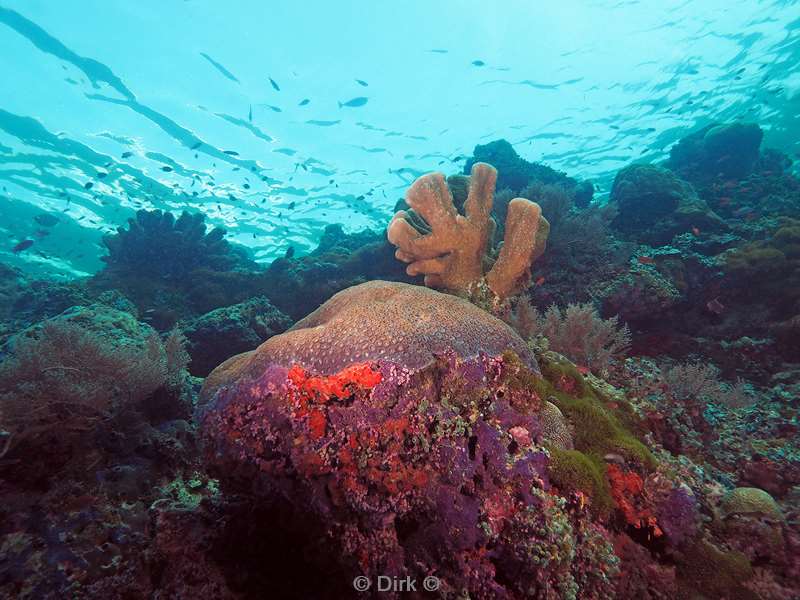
{"x": 221, "y": 333}
{"x": 717, "y": 150}
{"x": 654, "y": 205}
{"x": 410, "y": 471}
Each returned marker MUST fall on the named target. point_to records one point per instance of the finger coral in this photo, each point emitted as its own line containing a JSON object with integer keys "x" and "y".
{"x": 451, "y": 250}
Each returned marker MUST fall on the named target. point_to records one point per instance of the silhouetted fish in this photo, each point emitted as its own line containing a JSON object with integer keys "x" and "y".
{"x": 220, "y": 68}
{"x": 304, "y": 101}
{"x": 322, "y": 123}
{"x": 355, "y": 102}
{"x": 362, "y": 82}
{"x": 46, "y": 220}
{"x": 127, "y": 154}
{"x": 166, "y": 169}
{"x": 478, "y": 63}
{"x": 275, "y": 85}
{"x": 231, "y": 152}
{"x": 23, "y": 245}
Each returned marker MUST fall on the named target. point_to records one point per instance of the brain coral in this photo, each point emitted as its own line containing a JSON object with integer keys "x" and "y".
{"x": 750, "y": 501}
{"x": 396, "y": 322}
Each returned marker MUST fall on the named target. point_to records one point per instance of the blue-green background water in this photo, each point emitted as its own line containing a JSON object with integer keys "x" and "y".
{"x": 170, "y": 104}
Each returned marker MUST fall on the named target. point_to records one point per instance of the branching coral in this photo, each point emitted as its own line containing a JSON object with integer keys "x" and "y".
{"x": 155, "y": 242}
{"x": 578, "y": 332}
{"x": 451, "y": 249}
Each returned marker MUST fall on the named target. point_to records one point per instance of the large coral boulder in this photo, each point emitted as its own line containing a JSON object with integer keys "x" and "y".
{"x": 410, "y": 472}
{"x": 655, "y": 205}
{"x": 223, "y": 332}
{"x": 717, "y": 150}
{"x": 405, "y": 324}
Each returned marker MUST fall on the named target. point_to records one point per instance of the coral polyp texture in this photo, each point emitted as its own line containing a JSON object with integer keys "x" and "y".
{"x": 380, "y": 320}
{"x": 452, "y": 250}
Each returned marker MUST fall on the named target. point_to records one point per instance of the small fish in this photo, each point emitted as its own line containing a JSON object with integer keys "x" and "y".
{"x": 46, "y": 220}
{"x": 438, "y": 51}
{"x": 715, "y": 306}
{"x": 102, "y": 175}
{"x": 292, "y": 204}
{"x": 696, "y": 231}
{"x": 478, "y": 63}
{"x": 322, "y": 123}
{"x": 274, "y": 85}
{"x": 196, "y": 146}
{"x": 646, "y": 260}
{"x": 273, "y": 108}
{"x": 23, "y": 245}
{"x": 354, "y": 102}
{"x": 166, "y": 169}
{"x": 231, "y": 152}
{"x": 250, "y": 114}
{"x": 304, "y": 101}
{"x": 362, "y": 82}
{"x": 539, "y": 280}
{"x": 127, "y": 154}
{"x": 88, "y": 185}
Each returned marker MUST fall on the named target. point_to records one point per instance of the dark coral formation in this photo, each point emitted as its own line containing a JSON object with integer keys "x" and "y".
{"x": 654, "y": 205}
{"x": 216, "y": 336}
{"x": 727, "y": 151}
{"x": 157, "y": 243}
{"x": 515, "y": 173}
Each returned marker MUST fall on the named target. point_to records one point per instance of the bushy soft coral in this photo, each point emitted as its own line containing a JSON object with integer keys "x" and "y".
{"x": 157, "y": 243}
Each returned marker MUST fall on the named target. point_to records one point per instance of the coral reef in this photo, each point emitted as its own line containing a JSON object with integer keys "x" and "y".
{"x": 391, "y": 432}
{"x": 450, "y": 249}
{"x": 578, "y": 332}
{"x": 157, "y": 243}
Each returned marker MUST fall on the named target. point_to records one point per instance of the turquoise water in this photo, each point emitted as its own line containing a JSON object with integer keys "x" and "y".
{"x": 275, "y": 119}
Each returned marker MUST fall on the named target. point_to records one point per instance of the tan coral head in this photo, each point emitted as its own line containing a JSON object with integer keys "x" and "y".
{"x": 453, "y": 253}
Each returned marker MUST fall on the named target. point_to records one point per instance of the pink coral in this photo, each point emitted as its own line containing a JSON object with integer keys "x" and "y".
{"x": 451, "y": 255}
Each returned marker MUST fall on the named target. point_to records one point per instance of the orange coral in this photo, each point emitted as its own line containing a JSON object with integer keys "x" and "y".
{"x": 451, "y": 255}
{"x": 627, "y": 488}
